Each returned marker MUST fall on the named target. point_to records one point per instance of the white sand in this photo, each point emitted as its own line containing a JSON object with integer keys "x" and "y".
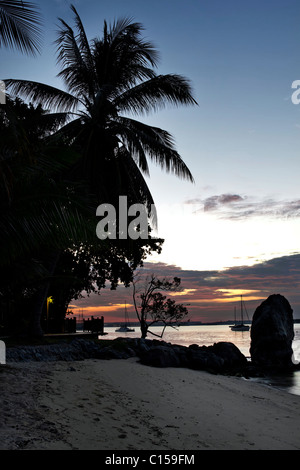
{"x": 121, "y": 404}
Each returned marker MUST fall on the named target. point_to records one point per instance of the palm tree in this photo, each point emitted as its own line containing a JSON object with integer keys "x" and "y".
{"x": 20, "y": 25}
{"x": 106, "y": 78}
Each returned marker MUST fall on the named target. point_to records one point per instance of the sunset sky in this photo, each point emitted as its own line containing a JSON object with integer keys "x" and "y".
{"x": 237, "y": 229}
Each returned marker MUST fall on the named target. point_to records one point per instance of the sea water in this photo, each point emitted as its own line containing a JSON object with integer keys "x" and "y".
{"x": 207, "y": 335}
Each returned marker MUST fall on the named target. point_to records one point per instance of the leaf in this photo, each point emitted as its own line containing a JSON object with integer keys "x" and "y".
{"x": 20, "y": 26}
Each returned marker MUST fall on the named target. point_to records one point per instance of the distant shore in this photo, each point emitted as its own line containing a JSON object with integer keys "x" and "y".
{"x": 124, "y": 405}
{"x": 190, "y": 323}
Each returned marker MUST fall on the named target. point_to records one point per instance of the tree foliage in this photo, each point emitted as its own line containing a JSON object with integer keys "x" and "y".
{"x": 152, "y": 307}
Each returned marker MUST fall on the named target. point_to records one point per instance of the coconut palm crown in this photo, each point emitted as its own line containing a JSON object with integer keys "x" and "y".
{"x": 105, "y": 80}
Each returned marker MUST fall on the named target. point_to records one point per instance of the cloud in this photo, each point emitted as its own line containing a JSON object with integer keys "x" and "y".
{"x": 209, "y": 295}
{"x": 236, "y": 207}
{"x": 214, "y": 202}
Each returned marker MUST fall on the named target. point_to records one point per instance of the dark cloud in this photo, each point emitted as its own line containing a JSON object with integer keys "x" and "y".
{"x": 211, "y": 295}
{"x": 214, "y": 202}
{"x": 265, "y": 208}
{"x": 236, "y": 207}
{"x": 279, "y": 275}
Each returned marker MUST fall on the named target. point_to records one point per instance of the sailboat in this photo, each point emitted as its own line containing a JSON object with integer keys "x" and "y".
{"x": 240, "y": 326}
{"x": 126, "y": 327}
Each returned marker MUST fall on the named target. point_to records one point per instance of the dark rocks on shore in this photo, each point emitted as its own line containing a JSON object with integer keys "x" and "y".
{"x": 76, "y": 350}
{"x": 221, "y": 357}
{"x": 272, "y": 334}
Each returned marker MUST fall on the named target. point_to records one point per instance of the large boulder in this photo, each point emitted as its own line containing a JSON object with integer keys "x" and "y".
{"x": 160, "y": 356}
{"x": 230, "y": 354}
{"x": 220, "y": 357}
{"x": 202, "y": 358}
{"x": 272, "y": 333}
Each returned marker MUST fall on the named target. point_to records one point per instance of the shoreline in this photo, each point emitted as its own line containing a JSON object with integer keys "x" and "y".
{"x": 122, "y": 404}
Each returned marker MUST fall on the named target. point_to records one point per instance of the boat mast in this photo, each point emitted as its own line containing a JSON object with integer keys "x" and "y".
{"x": 242, "y": 309}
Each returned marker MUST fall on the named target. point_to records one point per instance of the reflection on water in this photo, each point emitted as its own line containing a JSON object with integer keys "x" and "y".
{"x": 206, "y": 335}
{"x": 288, "y": 382}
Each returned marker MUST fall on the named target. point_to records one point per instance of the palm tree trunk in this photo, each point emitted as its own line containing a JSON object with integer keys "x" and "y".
{"x": 41, "y": 296}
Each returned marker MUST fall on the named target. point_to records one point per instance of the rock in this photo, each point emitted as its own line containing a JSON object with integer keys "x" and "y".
{"x": 272, "y": 333}
{"x": 230, "y": 353}
{"x": 76, "y": 350}
{"x": 142, "y": 345}
{"x": 219, "y": 358}
{"x": 222, "y": 357}
{"x": 204, "y": 359}
{"x": 160, "y": 356}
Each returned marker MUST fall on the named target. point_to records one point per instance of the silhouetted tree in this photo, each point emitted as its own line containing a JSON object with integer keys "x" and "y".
{"x": 105, "y": 79}
{"x": 89, "y": 268}
{"x": 154, "y": 307}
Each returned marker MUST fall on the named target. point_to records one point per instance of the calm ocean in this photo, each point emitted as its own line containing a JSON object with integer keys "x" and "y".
{"x": 206, "y": 335}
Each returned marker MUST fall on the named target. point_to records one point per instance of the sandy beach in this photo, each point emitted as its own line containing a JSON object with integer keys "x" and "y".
{"x": 123, "y": 405}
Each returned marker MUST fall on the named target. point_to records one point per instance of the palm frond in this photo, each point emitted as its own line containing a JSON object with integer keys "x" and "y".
{"x": 125, "y": 35}
{"x": 71, "y": 131}
{"x": 122, "y": 58}
{"x": 137, "y": 184}
{"x": 46, "y": 95}
{"x": 51, "y": 122}
{"x": 131, "y": 140}
{"x": 155, "y": 142}
{"x": 77, "y": 74}
{"x": 83, "y": 41}
{"x": 155, "y": 94}
{"x": 45, "y": 213}
{"x": 20, "y": 26}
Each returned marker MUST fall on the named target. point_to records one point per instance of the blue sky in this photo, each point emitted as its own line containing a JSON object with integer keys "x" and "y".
{"x": 242, "y": 140}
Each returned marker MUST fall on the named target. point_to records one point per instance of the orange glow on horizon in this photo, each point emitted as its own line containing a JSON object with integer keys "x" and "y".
{"x": 237, "y": 291}
{"x": 92, "y": 310}
{"x": 183, "y": 292}
{"x": 236, "y": 299}
{"x": 234, "y": 295}
{"x": 222, "y": 300}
